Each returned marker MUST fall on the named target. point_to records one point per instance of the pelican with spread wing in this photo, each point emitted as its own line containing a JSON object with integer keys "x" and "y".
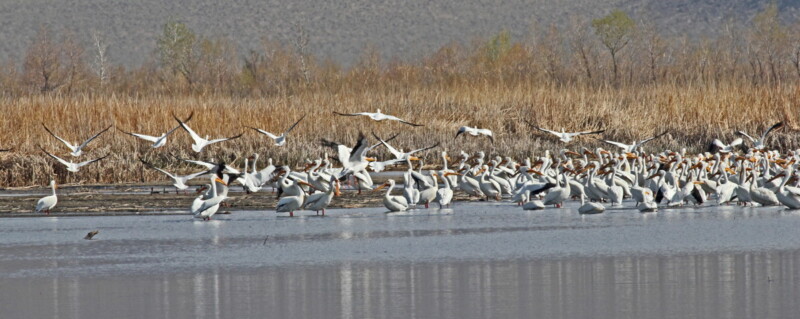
{"x": 758, "y": 143}
{"x": 378, "y": 116}
{"x": 75, "y": 149}
{"x": 280, "y": 140}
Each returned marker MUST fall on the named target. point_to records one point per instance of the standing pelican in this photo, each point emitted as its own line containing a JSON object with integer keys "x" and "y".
{"x": 73, "y": 167}
{"x": 393, "y": 203}
{"x": 75, "y": 149}
{"x": 445, "y": 194}
{"x": 204, "y": 209}
{"x": 279, "y": 140}
{"x": 48, "y": 202}
{"x": 158, "y": 141}
{"x": 758, "y": 143}
{"x": 199, "y": 142}
{"x": 474, "y": 131}
{"x": 321, "y": 200}
{"x": 378, "y": 116}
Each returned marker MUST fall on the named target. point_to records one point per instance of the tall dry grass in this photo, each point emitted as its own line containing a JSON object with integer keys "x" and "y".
{"x": 693, "y": 115}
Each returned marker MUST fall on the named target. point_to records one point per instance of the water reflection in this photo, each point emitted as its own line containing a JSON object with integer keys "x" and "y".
{"x": 727, "y": 285}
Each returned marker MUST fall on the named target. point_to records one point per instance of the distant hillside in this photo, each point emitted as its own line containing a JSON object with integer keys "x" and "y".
{"x": 339, "y": 30}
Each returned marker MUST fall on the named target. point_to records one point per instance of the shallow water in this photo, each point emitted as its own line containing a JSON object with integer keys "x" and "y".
{"x": 473, "y": 261}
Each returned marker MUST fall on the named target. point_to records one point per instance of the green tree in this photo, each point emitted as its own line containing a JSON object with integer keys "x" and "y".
{"x": 176, "y": 47}
{"x": 615, "y": 31}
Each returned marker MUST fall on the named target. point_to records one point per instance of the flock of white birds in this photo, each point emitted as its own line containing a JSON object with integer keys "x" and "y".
{"x": 726, "y": 173}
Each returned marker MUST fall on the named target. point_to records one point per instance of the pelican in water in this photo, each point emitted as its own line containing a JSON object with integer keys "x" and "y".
{"x": 48, "y": 202}
{"x": 158, "y": 141}
{"x": 787, "y": 195}
{"x": 204, "y": 209}
{"x": 392, "y": 203}
{"x": 199, "y": 142}
{"x": 758, "y": 143}
{"x": 73, "y": 167}
{"x": 378, "y": 116}
{"x": 320, "y": 200}
{"x": 474, "y": 131}
{"x": 445, "y": 194}
{"x": 75, "y": 149}
{"x": 179, "y": 181}
{"x": 590, "y": 207}
{"x": 567, "y": 137}
{"x": 635, "y": 145}
{"x": 354, "y": 160}
{"x": 280, "y": 140}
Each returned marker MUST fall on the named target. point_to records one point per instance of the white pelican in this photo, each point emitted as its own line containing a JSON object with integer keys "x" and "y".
{"x": 468, "y": 183}
{"x": 48, "y": 202}
{"x": 758, "y": 143}
{"x": 566, "y": 137}
{"x": 199, "y": 142}
{"x": 211, "y": 166}
{"x": 648, "y": 204}
{"x": 410, "y": 193}
{"x": 73, "y": 167}
{"x": 615, "y": 192}
{"x": 354, "y": 160}
{"x": 75, "y": 149}
{"x": 489, "y": 186}
{"x": 158, "y": 141}
{"x": 635, "y": 145}
{"x": 533, "y": 205}
{"x": 787, "y": 195}
{"x": 474, "y": 131}
{"x": 177, "y": 180}
{"x": 279, "y": 140}
{"x": 404, "y": 155}
{"x": 762, "y": 195}
{"x": 393, "y": 203}
{"x": 289, "y": 204}
{"x": 378, "y": 116}
{"x": 204, "y": 209}
{"x": 445, "y": 194}
{"x": 427, "y": 191}
{"x": 558, "y": 194}
{"x": 381, "y": 166}
{"x": 590, "y": 207}
{"x": 718, "y": 146}
{"x": 320, "y": 200}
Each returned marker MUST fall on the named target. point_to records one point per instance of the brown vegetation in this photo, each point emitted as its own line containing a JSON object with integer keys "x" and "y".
{"x": 745, "y": 79}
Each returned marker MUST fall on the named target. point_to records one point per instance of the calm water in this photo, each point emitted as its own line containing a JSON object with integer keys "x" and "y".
{"x": 474, "y": 261}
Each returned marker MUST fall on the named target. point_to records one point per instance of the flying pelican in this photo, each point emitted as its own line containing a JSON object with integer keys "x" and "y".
{"x": 393, "y": 203}
{"x": 718, "y": 146}
{"x": 474, "y": 131}
{"x": 566, "y": 137}
{"x": 635, "y": 145}
{"x": 177, "y": 180}
{"x": 158, "y": 141}
{"x": 48, "y": 202}
{"x": 279, "y": 140}
{"x": 354, "y": 160}
{"x": 758, "y": 143}
{"x": 75, "y": 149}
{"x": 401, "y": 155}
{"x": 73, "y": 167}
{"x": 199, "y": 142}
{"x": 211, "y": 166}
{"x": 378, "y": 116}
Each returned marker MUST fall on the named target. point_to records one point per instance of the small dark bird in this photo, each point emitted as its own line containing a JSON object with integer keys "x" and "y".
{"x": 91, "y": 234}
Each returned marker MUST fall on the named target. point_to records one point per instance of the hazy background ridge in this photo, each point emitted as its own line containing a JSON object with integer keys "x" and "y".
{"x": 340, "y": 31}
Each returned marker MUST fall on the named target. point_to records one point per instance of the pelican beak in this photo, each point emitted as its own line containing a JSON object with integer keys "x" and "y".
{"x": 605, "y": 152}
{"x": 384, "y": 185}
{"x": 413, "y": 158}
{"x": 776, "y": 177}
{"x": 752, "y": 160}
{"x": 371, "y": 159}
{"x": 573, "y": 153}
{"x": 336, "y": 189}
{"x": 654, "y": 176}
{"x": 219, "y": 180}
{"x": 452, "y": 174}
{"x": 729, "y": 170}
{"x": 448, "y": 158}
{"x": 698, "y": 182}
{"x": 631, "y": 156}
{"x": 306, "y": 184}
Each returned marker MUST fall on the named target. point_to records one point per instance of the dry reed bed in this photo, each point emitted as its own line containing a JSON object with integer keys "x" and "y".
{"x": 692, "y": 115}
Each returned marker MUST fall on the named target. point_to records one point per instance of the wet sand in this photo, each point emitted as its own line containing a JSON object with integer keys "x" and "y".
{"x": 477, "y": 260}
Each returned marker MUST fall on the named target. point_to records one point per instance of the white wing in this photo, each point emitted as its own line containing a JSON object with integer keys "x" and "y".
{"x": 272, "y": 136}
{"x": 57, "y": 158}
{"x": 72, "y": 147}
{"x": 93, "y": 137}
{"x": 81, "y": 164}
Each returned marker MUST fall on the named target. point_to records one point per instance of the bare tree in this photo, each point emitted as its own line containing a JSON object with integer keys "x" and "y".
{"x": 43, "y": 62}
{"x": 301, "y": 45}
{"x": 75, "y": 66}
{"x": 100, "y": 62}
{"x": 583, "y": 46}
